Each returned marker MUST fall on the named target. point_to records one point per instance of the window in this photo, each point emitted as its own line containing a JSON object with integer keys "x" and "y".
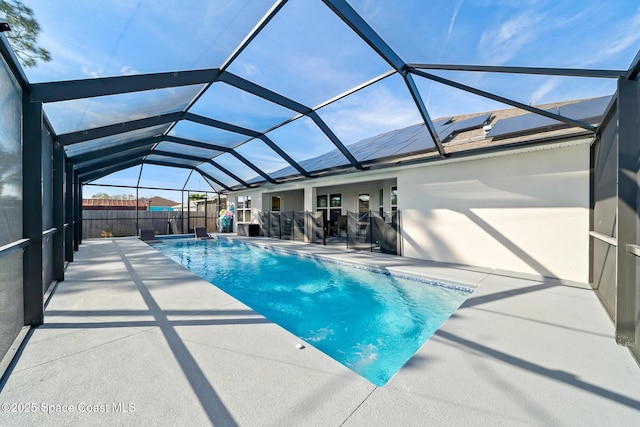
{"x": 381, "y": 202}
{"x": 276, "y": 202}
{"x": 331, "y": 211}
{"x": 363, "y": 203}
{"x": 394, "y": 198}
{"x": 243, "y": 212}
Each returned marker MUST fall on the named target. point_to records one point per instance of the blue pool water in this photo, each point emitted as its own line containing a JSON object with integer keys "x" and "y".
{"x": 368, "y": 321}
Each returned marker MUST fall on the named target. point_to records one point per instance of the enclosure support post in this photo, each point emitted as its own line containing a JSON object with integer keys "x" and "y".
{"x": 68, "y": 213}
{"x": 188, "y": 212}
{"x": 32, "y": 211}
{"x": 58, "y": 212}
{"x": 76, "y": 212}
{"x": 79, "y": 213}
{"x": 137, "y": 213}
{"x": 627, "y": 210}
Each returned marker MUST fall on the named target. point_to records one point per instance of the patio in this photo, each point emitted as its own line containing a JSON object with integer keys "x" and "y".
{"x": 131, "y": 338}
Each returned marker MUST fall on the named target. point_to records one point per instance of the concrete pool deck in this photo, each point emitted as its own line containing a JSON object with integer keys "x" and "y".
{"x": 131, "y": 338}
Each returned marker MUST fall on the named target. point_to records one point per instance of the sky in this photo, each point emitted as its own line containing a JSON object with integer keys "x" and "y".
{"x": 307, "y": 54}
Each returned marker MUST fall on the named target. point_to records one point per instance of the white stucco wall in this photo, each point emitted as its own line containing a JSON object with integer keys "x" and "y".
{"x": 526, "y": 212}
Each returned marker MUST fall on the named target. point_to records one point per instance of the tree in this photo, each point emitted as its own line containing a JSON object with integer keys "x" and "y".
{"x": 197, "y": 196}
{"x": 23, "y": 36}
{"x": 103, "y": 196}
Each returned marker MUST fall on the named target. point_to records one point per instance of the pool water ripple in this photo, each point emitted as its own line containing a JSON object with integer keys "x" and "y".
{"x": 368, "y": 321}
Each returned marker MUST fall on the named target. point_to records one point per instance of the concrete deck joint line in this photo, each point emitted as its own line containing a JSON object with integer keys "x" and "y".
{"x": 358, "y": 407}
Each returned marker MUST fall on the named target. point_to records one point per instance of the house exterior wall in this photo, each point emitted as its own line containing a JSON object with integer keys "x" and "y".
{"x": 526, "y": 212}
{"x": 523, "y": 211}
{"x": 350, "y": 192}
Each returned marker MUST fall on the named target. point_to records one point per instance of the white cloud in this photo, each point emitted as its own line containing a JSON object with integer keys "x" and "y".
{"x": 381, "y": 111}
{"x": 501, "y": 43}
{"x": 250, "y": 69}
{"x": 538, "y": 96}
{"x": 621, "y": 37}
{"x": 453, "y": 19}
{"x": 91, "y": 73}
{"x": 128, "y": 71}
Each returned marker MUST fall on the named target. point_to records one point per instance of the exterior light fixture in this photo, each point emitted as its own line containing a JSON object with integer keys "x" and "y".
{"x": 4, "y": 25}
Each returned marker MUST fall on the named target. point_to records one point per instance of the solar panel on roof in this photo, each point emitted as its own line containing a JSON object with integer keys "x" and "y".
{"x": 590, "y": 109}
{"x": 444, "y": 121}
{"x": 445, "y": 131}
{"x": 522, "y": 124}
{"x": 465, "y": 125}
{"x": 584, "y": 110}
{"x": 281, "y": 173}
{"x": 414, "y": 139}
{"x": 331, "y": 159}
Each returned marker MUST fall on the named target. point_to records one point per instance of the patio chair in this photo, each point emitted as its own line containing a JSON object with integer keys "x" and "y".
{"x": 201, "y": 233}
{"x": 147, "y": 234}
{"x": 341, "y": 224}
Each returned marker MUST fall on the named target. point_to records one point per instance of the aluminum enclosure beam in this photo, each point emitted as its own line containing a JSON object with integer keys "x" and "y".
{"x": 100, "y": 162}
{"x": 252, "y": 166}
{"x": 220, "y": 125}
{"x": 503, "y": 100}
{"x": 350, "y": 17}
{"x": 198, "y": 144}
{"x": 283, "y": 101}
{"x": 634, "y": 69}
{"x": 109, "y": 151}
{"x": 228, "y": 172}
{"x": 284, "y": 155}
{"x": 200, "y": 159}
{"x": 104, "y": 163}
{"x": 354, "y": 21}
{"x": 248, "y": 132}
{"x": 262, "y": 92}
{"x": 99, "y": 173}
{"x": 169, "y": 164}
{"x": 118, "y": 128}
{"x": 336, "y": 141}
{"x": 88, "y": 88}
{"x": 271, "y": 13}
{"x": 426, "y": 118}
{"x": 567, "y": 72}
{"x": 223, "y": 149}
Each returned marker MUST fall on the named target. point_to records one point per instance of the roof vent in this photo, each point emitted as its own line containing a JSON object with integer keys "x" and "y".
{"x": 486, "y": 129}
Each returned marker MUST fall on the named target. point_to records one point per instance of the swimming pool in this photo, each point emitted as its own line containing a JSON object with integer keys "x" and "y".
{"x": 369, "y": 321}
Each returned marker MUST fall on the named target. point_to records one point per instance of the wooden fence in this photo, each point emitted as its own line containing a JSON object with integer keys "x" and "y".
{"x": 113, "y": 223}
